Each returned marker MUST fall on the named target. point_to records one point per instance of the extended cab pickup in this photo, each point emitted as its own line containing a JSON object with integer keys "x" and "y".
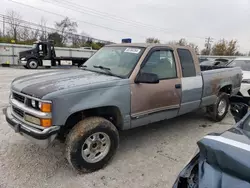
{"x": 120, "y": 87}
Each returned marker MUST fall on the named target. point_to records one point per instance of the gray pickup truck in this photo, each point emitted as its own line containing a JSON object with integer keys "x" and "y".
{"x": 120, "y": 87}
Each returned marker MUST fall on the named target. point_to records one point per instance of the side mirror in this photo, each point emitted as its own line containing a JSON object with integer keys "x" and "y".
{"x": 147, "y": 78}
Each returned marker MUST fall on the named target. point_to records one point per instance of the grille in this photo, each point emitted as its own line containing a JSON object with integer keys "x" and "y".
{"x": 18, "y": 111}
{"x": 18, "y": 97}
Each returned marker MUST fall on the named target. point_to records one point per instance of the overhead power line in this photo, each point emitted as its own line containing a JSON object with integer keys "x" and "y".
{"x": 112, "y": 16}
{"x": 86, "y": 10}
{"x": 102, "y": 15}
{"x": 89, "y": 23}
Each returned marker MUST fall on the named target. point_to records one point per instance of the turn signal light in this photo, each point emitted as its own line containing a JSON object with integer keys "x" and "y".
{"x": 46, "y": 122}
{"x": 46, "y": 107}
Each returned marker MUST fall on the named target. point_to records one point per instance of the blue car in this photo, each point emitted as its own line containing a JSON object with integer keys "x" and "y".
{"x": 222, "y": 160}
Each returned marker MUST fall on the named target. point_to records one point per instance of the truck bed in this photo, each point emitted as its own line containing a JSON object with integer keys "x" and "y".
{"x": 207, "y": 67}
{"x": 70, "y": 58}
{"x": 215, "y": 78}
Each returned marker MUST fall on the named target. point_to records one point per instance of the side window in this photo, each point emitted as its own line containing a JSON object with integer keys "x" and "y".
{"x": 40, "y": 47}
{"x": 161, "y": 63}
{"x": 187, "y": 63}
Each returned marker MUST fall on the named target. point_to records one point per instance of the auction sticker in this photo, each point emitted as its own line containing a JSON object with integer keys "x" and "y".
{"x": 133, "y": 50}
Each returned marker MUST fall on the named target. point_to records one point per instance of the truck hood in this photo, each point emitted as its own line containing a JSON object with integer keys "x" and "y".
{"x": 26, "y": 53}
{"x": 41, "y": 84}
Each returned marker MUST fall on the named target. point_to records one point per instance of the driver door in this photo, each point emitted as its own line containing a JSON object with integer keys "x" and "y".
{"x": 156, "y": 102}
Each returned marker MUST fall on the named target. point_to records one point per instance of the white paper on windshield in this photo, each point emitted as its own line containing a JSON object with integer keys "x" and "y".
{"x": 133, "y": 50}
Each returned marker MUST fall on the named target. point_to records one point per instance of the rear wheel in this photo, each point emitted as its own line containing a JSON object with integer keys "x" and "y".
{"x": 219, "y": 110}
{"x": 91, "y": 144}
{"x": 32, "y": 64}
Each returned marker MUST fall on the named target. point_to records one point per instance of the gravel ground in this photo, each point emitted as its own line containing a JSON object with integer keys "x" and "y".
{"x": 149, "y": 156}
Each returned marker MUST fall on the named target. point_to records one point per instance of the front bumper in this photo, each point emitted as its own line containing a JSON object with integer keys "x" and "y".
{"x": 22, "y": 62}
{"x": 41, "y": 137}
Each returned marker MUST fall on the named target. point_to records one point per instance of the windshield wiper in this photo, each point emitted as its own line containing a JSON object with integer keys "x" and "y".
{"x": 107, "y": 70}
{"x": 101, "y": 67}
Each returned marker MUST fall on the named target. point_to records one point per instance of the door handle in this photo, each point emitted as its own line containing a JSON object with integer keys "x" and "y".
{"x": 177, "y": 86}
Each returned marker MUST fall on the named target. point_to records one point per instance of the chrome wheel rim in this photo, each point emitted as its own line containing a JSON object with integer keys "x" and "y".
{"x": 222, "y": 107}
{"x": 96, "y": 147}
{"x": 33, "y": 64}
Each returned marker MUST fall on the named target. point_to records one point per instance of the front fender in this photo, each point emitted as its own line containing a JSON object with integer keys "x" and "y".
{"x": 31, "y": 56}
{"x": 66, "y": 104}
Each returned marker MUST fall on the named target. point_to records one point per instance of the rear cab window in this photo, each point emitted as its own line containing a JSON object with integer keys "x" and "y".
{"x": 187, "y": 62}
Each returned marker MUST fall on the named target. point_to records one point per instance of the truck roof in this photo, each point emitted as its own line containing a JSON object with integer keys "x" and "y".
{"x": 145, "y": 45}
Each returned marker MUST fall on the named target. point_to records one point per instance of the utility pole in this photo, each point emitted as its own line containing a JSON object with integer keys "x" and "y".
{"x": 3, "y": 26}
{"x": 208, "y": 42}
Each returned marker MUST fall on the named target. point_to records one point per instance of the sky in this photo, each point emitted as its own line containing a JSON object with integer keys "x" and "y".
{"x": 166, "y": 20}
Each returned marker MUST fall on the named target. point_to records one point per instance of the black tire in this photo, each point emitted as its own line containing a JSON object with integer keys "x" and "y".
{"x": 82, "y": 131}
{"x": 25, "y": 66}
{"x": 32, "y": 64}
{"x": 213, "y": 109}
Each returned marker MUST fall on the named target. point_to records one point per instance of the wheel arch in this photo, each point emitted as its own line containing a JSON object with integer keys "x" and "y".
{"x": 226, "y": 89}
{"x": 111, "y": 113}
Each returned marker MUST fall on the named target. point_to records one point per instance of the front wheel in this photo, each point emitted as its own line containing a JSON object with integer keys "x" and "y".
{"x": 219, "y": 110}
{"x": 91, "y": 144}
{"x": 32, "y": 64}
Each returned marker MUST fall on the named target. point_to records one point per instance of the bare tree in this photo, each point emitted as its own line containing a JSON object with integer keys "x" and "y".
{"x": 76, "y": 41}
{"x": 184, "y": 42}
{"x": 66, "y": 28}
{"x": 205, "y": 51}
{"x": 194, "y": 46}
{"x": 43, "y": 28}
{"x": 152, "y": 40}
{"x": 181, "y": 42}
{"x": 14, "y": 21}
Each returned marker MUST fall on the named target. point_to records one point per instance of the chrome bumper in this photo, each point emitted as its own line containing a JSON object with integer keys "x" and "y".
{"x": 22, "y": 62}
{"x": 42, "y": 137}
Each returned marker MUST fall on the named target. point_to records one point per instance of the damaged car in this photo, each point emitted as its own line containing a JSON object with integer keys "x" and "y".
{"x": 222, "y": 159}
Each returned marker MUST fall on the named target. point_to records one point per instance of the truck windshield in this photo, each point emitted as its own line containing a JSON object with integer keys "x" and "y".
{"x": 118, "y": 60}
{"x": 34, "y": 45}
{"x": 243, "y": 64}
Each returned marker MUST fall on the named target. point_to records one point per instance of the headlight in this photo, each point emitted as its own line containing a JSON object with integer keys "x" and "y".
{"x": 43, "y": 106}
{"x": 23, "y": 58}
{"x": 33, "y": 103}
{"x": 40, "y": 105}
